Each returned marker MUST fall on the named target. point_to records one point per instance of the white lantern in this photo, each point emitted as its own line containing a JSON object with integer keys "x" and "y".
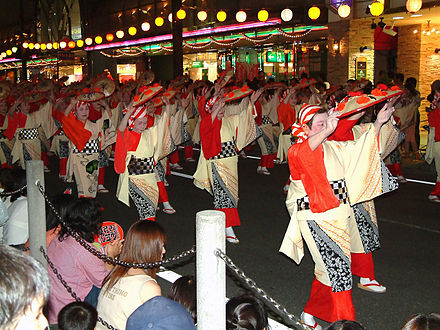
{"x": 413, "y": 6}
{"x": 202, "y": 15}
{"x": 286, "y": 15}
{"x": 344, "y": 10}
{"x": 241, "y": 16}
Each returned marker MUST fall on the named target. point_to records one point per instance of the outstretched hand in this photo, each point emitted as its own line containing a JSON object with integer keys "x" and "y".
{"x": 256, "y": 95}
{"x": 332, "y": 122}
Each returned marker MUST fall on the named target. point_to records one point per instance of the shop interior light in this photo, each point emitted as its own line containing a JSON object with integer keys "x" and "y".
{"x": 336, "y": 46}
{"x": 14, "y": 49}
{"x": 120, "y": 34}
{"x": 159, "y": 21}
{"x": 89, "y": 41}
{"x": 9, "y": 52}
{"x": 314, "y": 13}
{"x": 31, "y": 45}
{"x": 263, "y": 15}
{"x": 221, "y": 16}
{"x": 49, "y": 46}
{"x": 43, "y": 46}
{"x": 398, "y": 17}
{"x": 37, "y": 46}
{"x": 181, "y": 14}
{"x": 415, "y": 31}
{"x": 413, "y": 6}
{"x": 376, "y": 8}
{"x": 241, "y": 16}
{"x": 56, "y": 45}
{"x": 170, "y": 17}
{"x": 80, "y": 43}
{"x": 344, "y": 10}
{"x": 202, "y": 15}
{"x": 286, "y": 15}
{"x": 98, "y": 39}
{"x": 132, "y": 30}
{"x": 109, "y": 37}
{"x": 72, "y": 44}
{"x": 25, "y": 45}
{"x": 416, "y": 15}
{"x": 145, "y": 27}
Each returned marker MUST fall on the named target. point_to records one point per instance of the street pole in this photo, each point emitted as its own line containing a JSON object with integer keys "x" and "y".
{"x": 36, "y": 209}
{"x": 210, "y": 270}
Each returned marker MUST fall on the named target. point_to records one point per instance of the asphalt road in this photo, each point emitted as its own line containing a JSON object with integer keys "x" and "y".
{"x": 407, "y": 263}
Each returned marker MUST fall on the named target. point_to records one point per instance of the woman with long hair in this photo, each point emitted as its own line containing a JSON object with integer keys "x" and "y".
{"x": 127, "y": 288}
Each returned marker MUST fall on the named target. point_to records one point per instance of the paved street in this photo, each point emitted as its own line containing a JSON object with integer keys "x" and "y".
{"x": 407, "y": 264}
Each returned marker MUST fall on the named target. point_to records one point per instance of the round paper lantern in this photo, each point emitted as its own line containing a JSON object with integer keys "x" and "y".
{"x": 263, "y": 15}
{"x": 109, "y": 37}
{"x": 170, "y": 17}
{"x": 71, "y": 44}
{"x": 49, "y": 46}
{"x": 376, "y": 8}
{"x": 9, "y": 52}
{"x": 145, "y": 26}
{"x": 241, "y": 16}
{"x": 221, "y": 16}
{"x": 344, "y": 10}
{"x": 98, "y": 39}
{"x": 159, "y": 21}
{"x": 287, "y": 15}
{"x": 80, "y": 43}
{"x": 89, "y": 41}
{"x": 132, "y": 30}
{"x": 25, "y": 45}
{"x": 120, "y": 34}
{"x": 37, "y": 46}
{"x": 14, "y": 49}
{"x": 181, "y": 14}
{"x": 202, "y": 15}
{"x": 63, "y": 45}
{"x": 43, "y": 46}
{"x": 3, "y": 54}
{"x": 56, "y": 45}
{"x": 413, "y": 6}
{"x": 314, "y": 12}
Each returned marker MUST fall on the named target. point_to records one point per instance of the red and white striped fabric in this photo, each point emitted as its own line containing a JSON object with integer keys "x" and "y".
{"x": 210, "y": 103}
{"x": 306, "y": 114}
{"x": 436, "y": 101}
{"x": 77, "y": 105}
{"x": 140, "y": 112}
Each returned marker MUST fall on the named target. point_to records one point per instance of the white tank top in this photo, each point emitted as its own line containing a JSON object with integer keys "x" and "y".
{"x": 118, "y": 303}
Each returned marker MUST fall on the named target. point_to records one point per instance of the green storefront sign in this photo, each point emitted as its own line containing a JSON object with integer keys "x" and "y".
{"x": 276, "y": 57}
{"x": 197, "y": 64}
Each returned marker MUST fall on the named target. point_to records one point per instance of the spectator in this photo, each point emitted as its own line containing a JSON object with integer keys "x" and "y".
{"x": 423, "y": 322}
{"x": 346, "y": 325}
{"x": 82, "y": 271}
{"x": 128, "y": 287}
{"x": 246, "y": 312}
{"x": 160, "y": 313}
{"x": 24, "y": 289}
{"x": 77, "y": 316}
{"x": 183, "y": 291}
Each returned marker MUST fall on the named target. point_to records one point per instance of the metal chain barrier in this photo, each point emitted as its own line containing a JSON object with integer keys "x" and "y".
{"x": 278, "y": 308}
{"x": 104, "y": 257}
{"x": 69, "y": 289}
{"x": 9, "y": 193}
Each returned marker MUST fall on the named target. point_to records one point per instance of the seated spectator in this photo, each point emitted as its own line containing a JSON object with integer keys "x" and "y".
{"x": 423, "y": 322}
{"x": 77, "y": 316}
{"x": 160, "y": 313}
{"x": 183, "y": 290}
{"x": 82, "y": 270}
{"x": 128, "y": 288}
{"x": 245, "y": 312}
{"x": 24, "y": 289}
{"x": 346, "y": 325}
{"x": 16, "y": 229}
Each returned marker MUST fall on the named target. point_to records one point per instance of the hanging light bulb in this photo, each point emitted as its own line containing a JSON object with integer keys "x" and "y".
{"x": 263, "y": 15}
{"x": 221, "y": 16}
{"x": 89, "y": 41}
{"x": 181, "y": 14}
{"x": 286, "y": 15}
{"x": 145, "y": 27}
{"x": 202, "y": 15}
{"x": 314, "y": 12}
{"x": 344, "y": 10}
{"x": 413, "y": 6}
{"x": 376, "y": 8}
{"x": 159, "y": 21}
{"x": 241, "y": 16}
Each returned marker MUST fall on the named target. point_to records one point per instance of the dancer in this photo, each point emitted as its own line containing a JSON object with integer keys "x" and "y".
{"x": 433, "y": 148}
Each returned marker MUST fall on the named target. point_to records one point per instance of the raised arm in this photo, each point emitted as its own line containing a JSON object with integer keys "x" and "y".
{"x": 124, "y": 122}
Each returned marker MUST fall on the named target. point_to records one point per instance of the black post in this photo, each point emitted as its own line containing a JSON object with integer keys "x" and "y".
{"x": 177, "y": 40}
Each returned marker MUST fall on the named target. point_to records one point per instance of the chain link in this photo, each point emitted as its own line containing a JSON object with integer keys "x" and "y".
{"x": 69, "y": 289}
{"x": 104, "y": 257}
{"x": 280, "y": 309}
{"x": 9, "y": 193}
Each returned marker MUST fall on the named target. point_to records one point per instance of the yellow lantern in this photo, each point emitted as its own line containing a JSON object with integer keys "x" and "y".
{"x": 25, "y": 45}
{"x": 9, "y": 52}
{"x": 49, "y": 46}
{"x": 413, "y": 6}
{"x": 314, "y": 12}
{"x": 43, "y": 46}
{"x": 241, "y": 16}
{"x": 202, "y": 15}
{"x": 80, "y": 43}
{"x": 56, "y": 45}
{"x": 263, "y": 15}
{"x": 98, "y": 39}
{"x": 89, "y": 41}
{"x": 221, "y": 16}
{"x": 376, "y": 8}
{"x": 132, "y": 30}
{"x": 344, "y": 10}
{"x": 181, "y": 14}
{"x": 159, "y": 21}
{"x": 145, "y": 27}
{"x": 120, "y": 34}
{"x": 37, "y": 46}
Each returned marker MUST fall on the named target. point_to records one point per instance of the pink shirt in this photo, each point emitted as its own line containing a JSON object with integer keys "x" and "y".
{"x": 79, "y": 268}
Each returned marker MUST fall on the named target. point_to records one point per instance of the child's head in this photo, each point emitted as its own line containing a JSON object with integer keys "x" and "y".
{"x": 245, "y": 312}
{"x": 77, "y": 316}
{"x": 183, "y": 290}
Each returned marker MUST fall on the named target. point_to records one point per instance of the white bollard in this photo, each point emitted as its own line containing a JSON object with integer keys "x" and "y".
{"x": 36, "y": 209}
{"x": 210, "y": 270}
